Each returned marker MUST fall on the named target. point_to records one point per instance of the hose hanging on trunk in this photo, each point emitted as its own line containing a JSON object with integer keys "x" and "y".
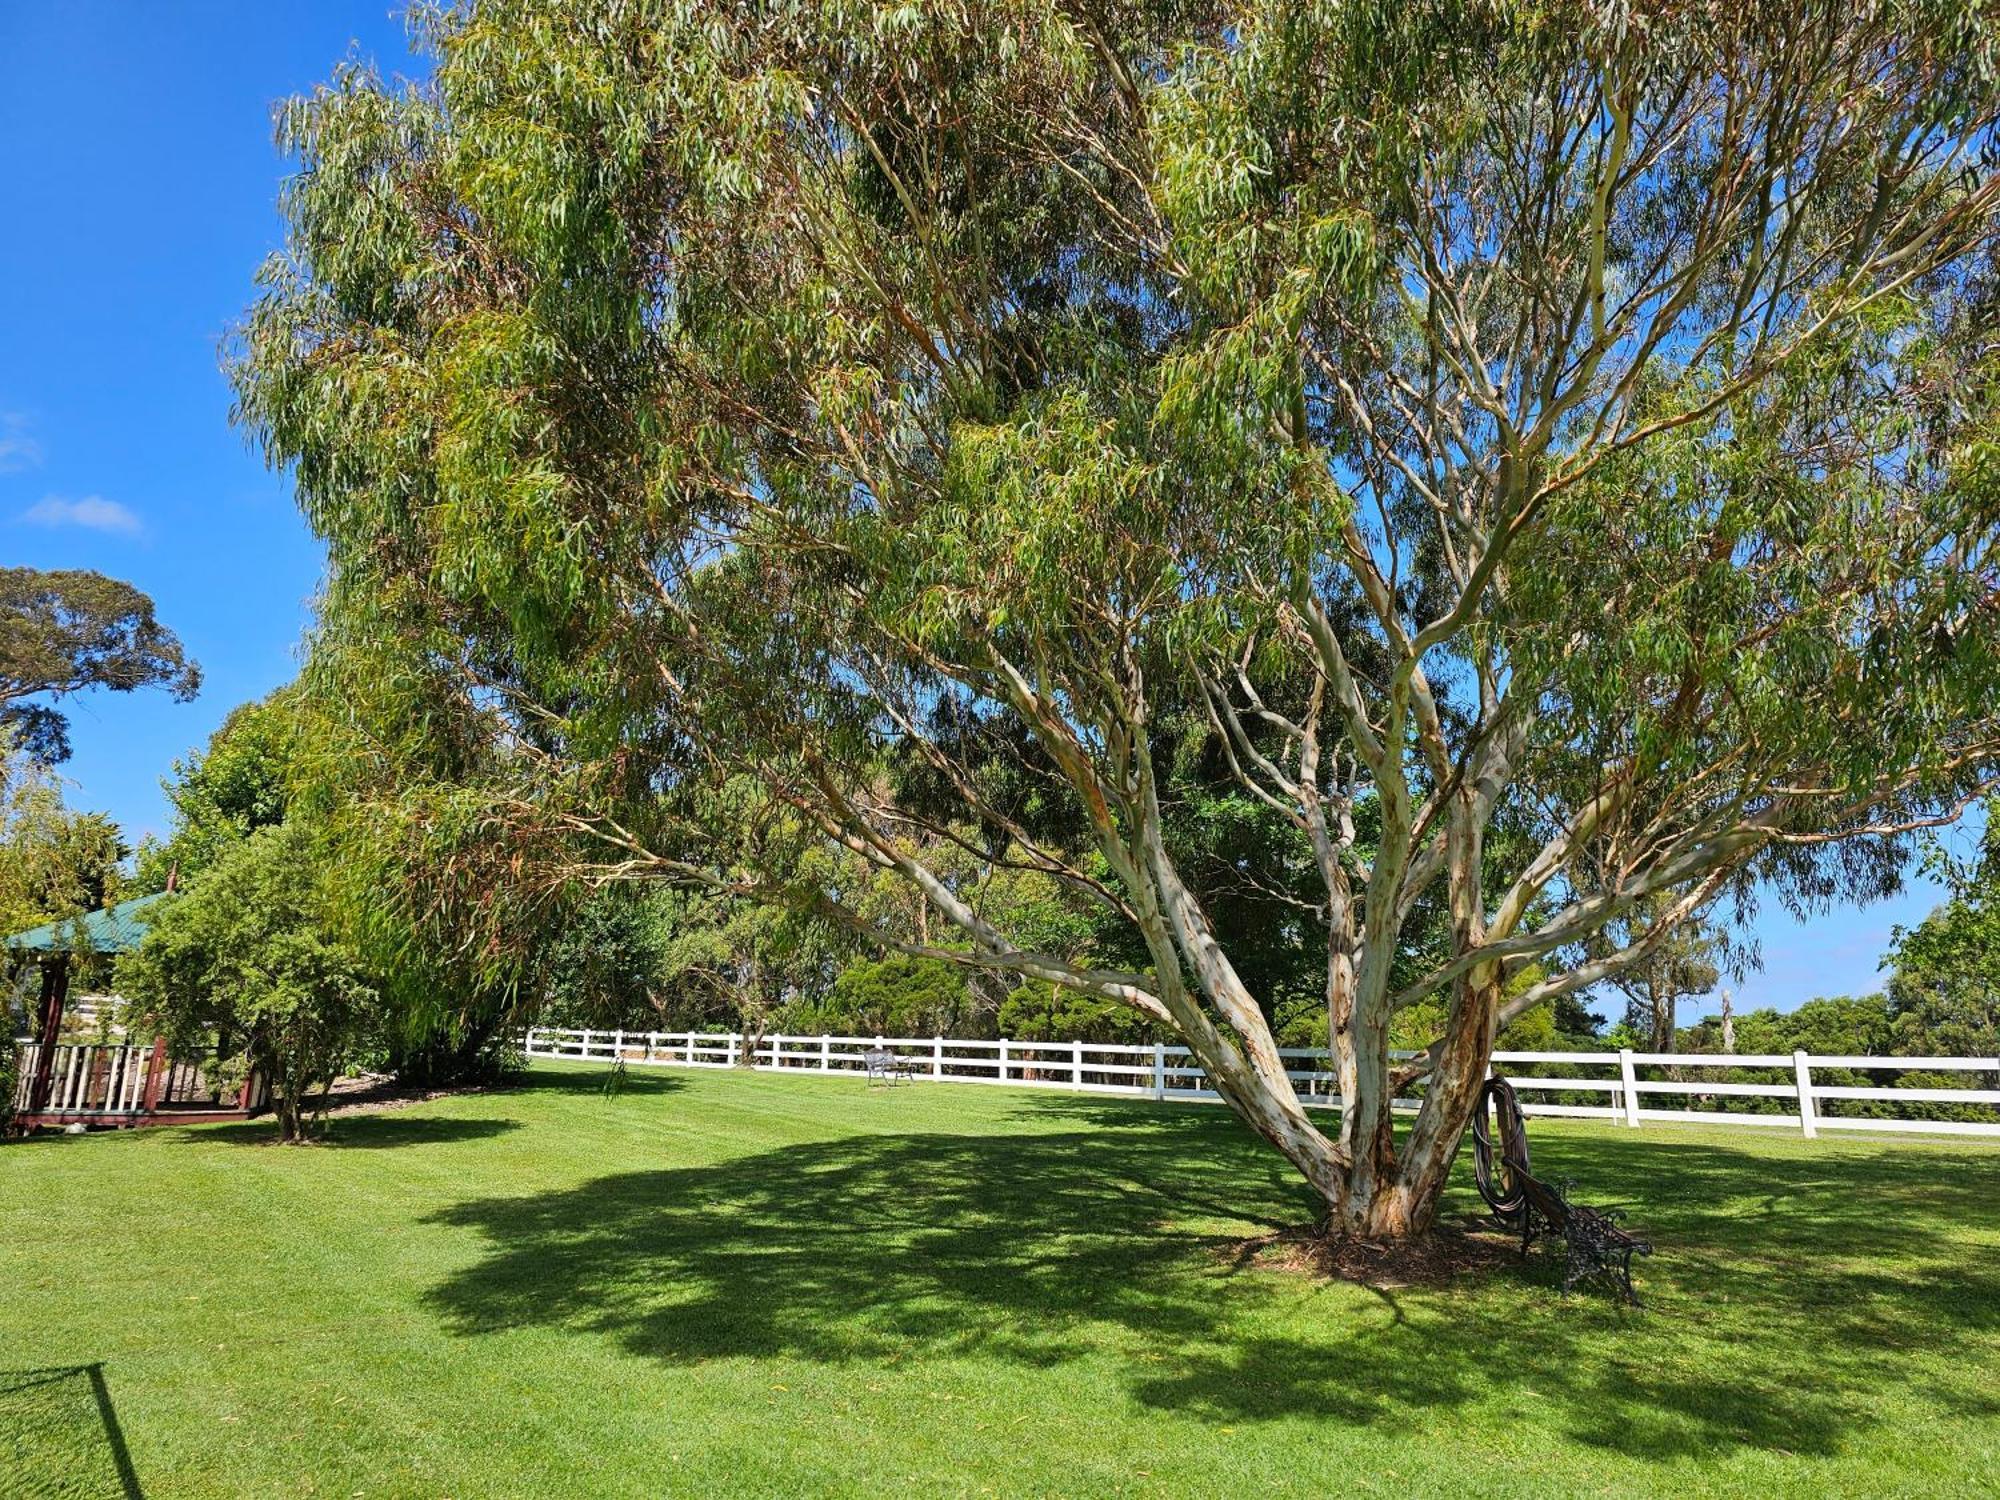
{"x": 1501, "y": 1189}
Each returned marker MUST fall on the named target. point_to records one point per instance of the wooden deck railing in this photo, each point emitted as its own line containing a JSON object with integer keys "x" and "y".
{"x": 115, "y": 1084}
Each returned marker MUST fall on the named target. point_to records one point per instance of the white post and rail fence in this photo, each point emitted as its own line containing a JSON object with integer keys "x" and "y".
{"x": 1812, "y": 1093}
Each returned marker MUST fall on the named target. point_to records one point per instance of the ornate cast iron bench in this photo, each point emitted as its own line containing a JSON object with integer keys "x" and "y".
{"x": 1593, "y": 1243}
{"x": 886, "y": 1067}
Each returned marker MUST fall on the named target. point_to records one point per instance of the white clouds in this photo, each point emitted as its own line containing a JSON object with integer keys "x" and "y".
{"x": 92, "y": 513}
{"x": 18, "y": 448}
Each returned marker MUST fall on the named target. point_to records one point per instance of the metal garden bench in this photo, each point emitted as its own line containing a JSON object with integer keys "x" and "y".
{"x": 885, "y": 1066}
{"x": 1593, "y": 1243}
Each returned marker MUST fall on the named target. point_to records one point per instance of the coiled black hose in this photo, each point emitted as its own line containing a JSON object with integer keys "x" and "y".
{"x": 1499, "y": 1115}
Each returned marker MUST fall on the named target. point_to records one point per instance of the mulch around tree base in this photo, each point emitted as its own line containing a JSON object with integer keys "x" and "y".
{"x": 1448, "y": 1253}
{"x": 372, "y": 1093}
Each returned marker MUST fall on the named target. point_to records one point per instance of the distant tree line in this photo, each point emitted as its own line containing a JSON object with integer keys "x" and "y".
{"x": 310, "y": 934}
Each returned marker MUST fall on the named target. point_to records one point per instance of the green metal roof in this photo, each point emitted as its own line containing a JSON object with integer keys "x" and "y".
{"x": 118, "y": 930}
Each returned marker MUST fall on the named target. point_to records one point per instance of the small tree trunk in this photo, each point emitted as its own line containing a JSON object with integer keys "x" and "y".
{"x": 317, "y": 1115}
{"x": 752, "y": 1014}
{"x": 1662, "y": 997}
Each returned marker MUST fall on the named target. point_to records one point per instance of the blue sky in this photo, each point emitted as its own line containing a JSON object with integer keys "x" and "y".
{"x": 141, "y": 186}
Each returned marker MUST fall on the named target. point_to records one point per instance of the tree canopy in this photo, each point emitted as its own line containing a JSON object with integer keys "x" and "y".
{"x": 1944, "y": 984}
{"x": 242, "y": 781}
{"x": 70, "y": 630}
{"x": 55, "y": 862}
{"x": 1545, "y": 453}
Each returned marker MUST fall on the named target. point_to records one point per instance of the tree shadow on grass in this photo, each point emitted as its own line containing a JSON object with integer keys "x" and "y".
{"x": 583, "y": 1078}
{"x": 1039, "y": 1249}
{"x": 1797, "y": 1215}
{"x": 394, "y": 1128}
{"x": 357, "y": 1132}
{"x": 60, "y": 1436}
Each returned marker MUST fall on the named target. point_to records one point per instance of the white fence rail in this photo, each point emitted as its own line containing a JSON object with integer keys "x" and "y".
{"x": 1590, "y": 1085}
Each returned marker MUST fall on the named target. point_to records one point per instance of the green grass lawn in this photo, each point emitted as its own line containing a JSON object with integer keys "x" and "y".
{"x": 723, "y": 1284}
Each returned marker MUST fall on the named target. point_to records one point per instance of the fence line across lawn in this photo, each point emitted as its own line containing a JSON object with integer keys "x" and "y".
{"x": 1629, "y": 1087}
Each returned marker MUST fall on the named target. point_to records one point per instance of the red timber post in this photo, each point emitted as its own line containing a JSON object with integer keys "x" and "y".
{"x": 55, "y": 994}
{"x": 156, "y": 1075}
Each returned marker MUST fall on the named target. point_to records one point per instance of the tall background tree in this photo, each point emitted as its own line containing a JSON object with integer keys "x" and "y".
{"x": 243, "y": 780}
{"x": 66, "y": 631}
{"x": 55, "y": 862}
{"x": 1684, "y": 959}
{"x": 1550, "y": 447}
{"x": 295, "y": 760}
{"x": 1944, "y": 982}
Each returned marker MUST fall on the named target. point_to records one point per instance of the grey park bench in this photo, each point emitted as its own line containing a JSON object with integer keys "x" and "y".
{"x": 885, "y": 1066}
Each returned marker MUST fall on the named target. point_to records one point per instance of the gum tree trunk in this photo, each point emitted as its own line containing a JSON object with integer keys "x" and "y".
{"x": 1371, "y": 1187}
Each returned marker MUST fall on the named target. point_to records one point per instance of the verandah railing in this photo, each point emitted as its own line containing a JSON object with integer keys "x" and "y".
{"x": 108, "y": 1079}
{"x": 1631, "y": 1088}
{"x": 109, "y": 1082}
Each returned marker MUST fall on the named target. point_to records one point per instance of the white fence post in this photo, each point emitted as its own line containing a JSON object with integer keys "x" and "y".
{"x": 1808, "y": 1111}
{"x": 110, "y": 1077}
{"x": 1630, "y": 1086}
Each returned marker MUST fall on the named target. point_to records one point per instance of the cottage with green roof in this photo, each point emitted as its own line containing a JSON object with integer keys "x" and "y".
{"x": 106, "y": 1083}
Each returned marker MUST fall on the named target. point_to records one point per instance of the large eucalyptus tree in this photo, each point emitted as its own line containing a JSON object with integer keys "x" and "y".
{"x": 1552, "y": 444}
